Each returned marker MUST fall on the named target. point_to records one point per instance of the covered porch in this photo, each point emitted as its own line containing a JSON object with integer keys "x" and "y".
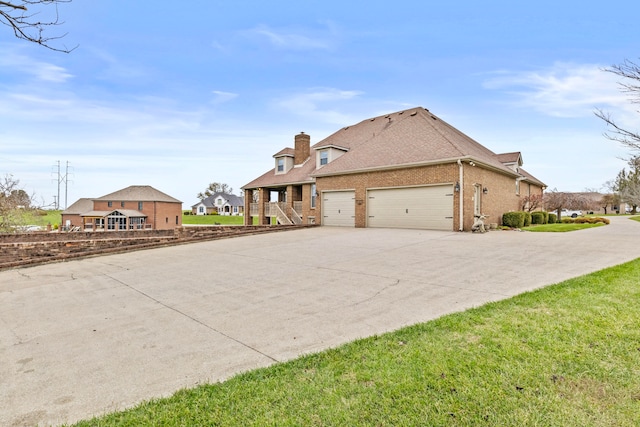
{"x": 279, "y": 205}
{"x": 116, "y": 220}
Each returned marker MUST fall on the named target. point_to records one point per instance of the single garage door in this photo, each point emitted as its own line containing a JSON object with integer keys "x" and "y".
{"x": 428, "y": 208}
{"x": 339, "y": 208}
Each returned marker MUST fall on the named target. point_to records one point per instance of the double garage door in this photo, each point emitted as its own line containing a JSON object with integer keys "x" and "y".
{"x": 428, "y": 208}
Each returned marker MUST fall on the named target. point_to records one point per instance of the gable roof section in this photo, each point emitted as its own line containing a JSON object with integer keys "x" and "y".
{"x": 511, "y": 158}
{"x": 79, "y": 207}
{"x": 129, "y": 213}
{"x": 139, "y": 193}
{"x": 402, "y": 139}
{"x": 406, "y": 138}
{"x": 285, "y": 152}
{"x": 231, "y": 199}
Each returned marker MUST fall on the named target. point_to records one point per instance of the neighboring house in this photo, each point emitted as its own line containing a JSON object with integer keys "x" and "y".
{"x": 138, "y": 207}
{"x": 408, "y": 169}
{"x": 220, "y": 203}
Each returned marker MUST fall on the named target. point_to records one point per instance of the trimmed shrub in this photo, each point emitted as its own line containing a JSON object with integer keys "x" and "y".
{"x": 553, "y": 218}
{"x": 527, "y": 219}
{"x": 585, "y": 220}
{"x": 538, "y": 218}
{"x": 513, "y": 219}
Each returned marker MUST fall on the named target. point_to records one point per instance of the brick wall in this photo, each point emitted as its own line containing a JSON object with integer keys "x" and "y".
{"x": 501, "y": 194}
{"x": 360, "y": 182}
{"x": 32, "y": 248}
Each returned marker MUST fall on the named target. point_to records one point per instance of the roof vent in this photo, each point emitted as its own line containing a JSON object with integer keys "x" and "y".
{"x": 433, "y": 117}
{"x": 401, "y": 112}
{"x": 414, "y": 113}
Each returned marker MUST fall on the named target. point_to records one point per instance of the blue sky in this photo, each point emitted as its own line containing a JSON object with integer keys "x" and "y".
{"x": 180, "y": 94}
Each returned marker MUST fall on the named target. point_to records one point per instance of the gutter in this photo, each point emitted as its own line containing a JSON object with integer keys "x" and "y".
{"x": 460, "y": 203}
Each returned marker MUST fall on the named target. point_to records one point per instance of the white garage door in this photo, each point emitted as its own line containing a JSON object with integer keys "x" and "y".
{"x": 428, "y": 208}
{"x": 339, "y": 208}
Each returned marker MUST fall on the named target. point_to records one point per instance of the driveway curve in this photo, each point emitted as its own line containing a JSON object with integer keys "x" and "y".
{"x": 85, "y": 337}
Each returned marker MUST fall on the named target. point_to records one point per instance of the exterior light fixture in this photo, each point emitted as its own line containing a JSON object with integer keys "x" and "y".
{"x": 484, "y": 190}
{"x": 457, "y": 187}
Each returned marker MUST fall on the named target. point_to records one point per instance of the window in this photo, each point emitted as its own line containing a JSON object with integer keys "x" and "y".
{"x": 313, "y": 195}
{"x": 122, "y": 204}
{"x": 176, "y": 219}
{"x": 109, "y": 204}
{"x": 517, "y": 186}
{"x": 280, "y": 165}
{"x": 324, "y": 157}
{"x": 201, "y": 209}
{"x": 139, "y": 206}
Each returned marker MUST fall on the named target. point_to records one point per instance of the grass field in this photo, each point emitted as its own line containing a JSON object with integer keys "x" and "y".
{"x": 559, "y": 227}
{"x": 565, "y": 355}
{"x": 212, "y": 220}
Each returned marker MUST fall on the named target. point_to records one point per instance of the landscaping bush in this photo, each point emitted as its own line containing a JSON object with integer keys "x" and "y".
{"x": 538, "y": 218}
{"x": 527, "y": 219}
{"x": 513, "y": 219}
{"x": 585, "y": 220}
{"x": 553, "y": 218}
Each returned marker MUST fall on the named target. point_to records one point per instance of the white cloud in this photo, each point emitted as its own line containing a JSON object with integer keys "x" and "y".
{"x": 288, "y": 39}
{"x": 222, "y": 97}
{"x": 12, "y": 59}
{"x": 563, "y": 90}
{"x": 313, "y": 104}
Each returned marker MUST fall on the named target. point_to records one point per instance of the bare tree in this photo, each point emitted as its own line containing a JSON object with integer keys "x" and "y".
{"x": 630, "y": 84}
{"x": 610, "y": 199}
{"x": 555, "y": 200}
{"x": 531, "y": 203}
{"x": 26, "y": 24}
{"x": 215, "y": 187}
{"x": 15, "y": 203}
{"x": 627, "y": 184}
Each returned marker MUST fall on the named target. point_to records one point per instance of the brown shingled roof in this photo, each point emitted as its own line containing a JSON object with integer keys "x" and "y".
{"x": 140, "y": 193}
{"x": 400, "y": 139}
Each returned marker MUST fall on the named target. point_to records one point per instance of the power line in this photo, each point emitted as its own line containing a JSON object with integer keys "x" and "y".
{"x": 60, "y": 178}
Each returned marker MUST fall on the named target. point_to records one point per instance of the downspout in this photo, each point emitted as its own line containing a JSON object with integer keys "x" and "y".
{"x": 460, "y": 202}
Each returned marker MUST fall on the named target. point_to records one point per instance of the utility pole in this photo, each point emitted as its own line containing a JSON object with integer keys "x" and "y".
{"x": 60, "y": 179}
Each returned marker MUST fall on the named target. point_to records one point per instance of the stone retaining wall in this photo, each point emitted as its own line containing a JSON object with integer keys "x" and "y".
{"x": 22, "y": 249}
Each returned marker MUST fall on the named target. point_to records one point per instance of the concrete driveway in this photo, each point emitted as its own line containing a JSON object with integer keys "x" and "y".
{"x": 85, "y": 337}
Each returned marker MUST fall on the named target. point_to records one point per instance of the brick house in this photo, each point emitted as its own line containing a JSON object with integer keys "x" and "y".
{"x": 138, "y": 207}
{"x": 221, "y": 204}
{"x": 407, "y": 169}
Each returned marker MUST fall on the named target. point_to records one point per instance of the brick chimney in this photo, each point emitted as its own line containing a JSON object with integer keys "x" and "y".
{"x": 302, "y": 148}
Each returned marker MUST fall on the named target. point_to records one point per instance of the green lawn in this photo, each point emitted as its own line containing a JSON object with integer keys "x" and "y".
{"x": 212, "y": 219}
{"x": 560, "y": 227}
{"x": 565, "y": 355}
{"x": 42, "y": 218}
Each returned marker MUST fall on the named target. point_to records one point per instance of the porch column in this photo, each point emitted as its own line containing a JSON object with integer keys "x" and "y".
{"x": 264, "y": 196}
{"x": 248, "y": 199}
{"x": 289, "y": 201}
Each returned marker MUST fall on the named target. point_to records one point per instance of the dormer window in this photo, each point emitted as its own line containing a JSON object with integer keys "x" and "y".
{"x": 327, "y": 154}
{"x": 324, "y": 157}
{"x": 284, "y": 162}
